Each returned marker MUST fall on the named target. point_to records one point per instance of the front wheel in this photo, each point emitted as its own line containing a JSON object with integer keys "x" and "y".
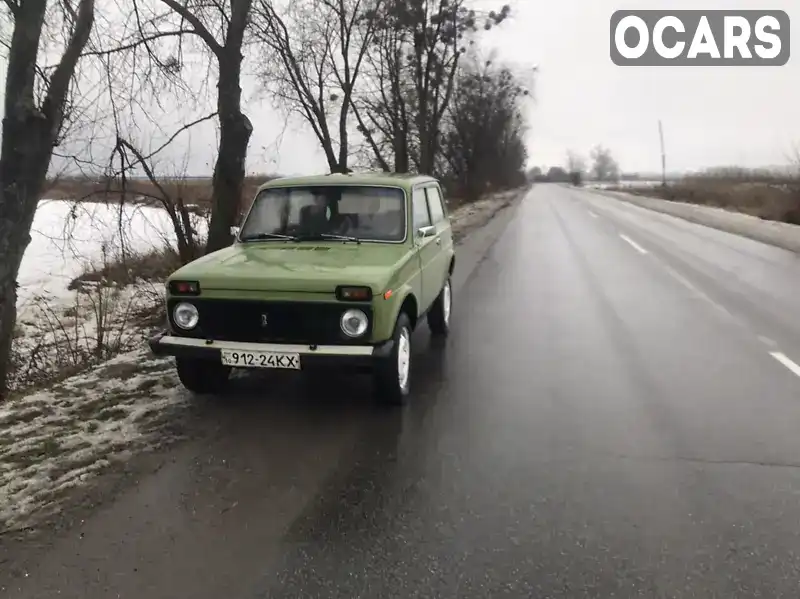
{"x": 203, "y": 377}
{"x": 392, "y": 376}
{"x": 439, "y": 314}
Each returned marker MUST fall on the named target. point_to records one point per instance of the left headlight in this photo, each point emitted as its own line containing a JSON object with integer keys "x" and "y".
{"x": 354, "y": 323}
{"x": 185, "y": 316}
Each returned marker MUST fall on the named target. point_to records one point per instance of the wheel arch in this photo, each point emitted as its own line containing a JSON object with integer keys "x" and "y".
{"x": 410, "y": 307}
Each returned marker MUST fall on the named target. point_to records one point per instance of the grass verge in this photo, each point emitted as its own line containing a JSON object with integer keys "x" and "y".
{"x": 777, "y": 200}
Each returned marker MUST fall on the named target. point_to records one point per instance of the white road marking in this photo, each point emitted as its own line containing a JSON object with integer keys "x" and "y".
{"x": 633, "y": 244}
{"x": 783, "y": 359}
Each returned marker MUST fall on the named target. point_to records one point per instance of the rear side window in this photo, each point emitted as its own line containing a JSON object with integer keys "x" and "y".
{"x": 420, "y": 207}
{"x": 435, "y": 204}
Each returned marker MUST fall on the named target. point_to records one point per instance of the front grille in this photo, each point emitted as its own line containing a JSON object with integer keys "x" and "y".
{"x": 306, "y": 323}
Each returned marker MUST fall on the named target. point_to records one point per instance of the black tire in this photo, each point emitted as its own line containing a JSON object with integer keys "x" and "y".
{"x": 202, "y": 377}
{"x": 441, "y": 310}
{"x": 388, "y": 387}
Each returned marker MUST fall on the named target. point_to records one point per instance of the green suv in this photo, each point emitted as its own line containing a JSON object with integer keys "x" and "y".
{"x": 327, "y": 269}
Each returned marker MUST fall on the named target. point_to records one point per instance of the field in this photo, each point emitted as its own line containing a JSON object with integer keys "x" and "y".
{"x": 192, "y": 190}
{"x": 766, "y": 197}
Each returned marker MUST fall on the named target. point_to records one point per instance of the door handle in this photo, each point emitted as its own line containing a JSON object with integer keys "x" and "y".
{"x": 438, "y": 241}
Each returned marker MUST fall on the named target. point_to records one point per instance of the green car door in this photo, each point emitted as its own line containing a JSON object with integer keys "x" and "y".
{"x": 426, "y": 239}
{"x": 444, "y": 235}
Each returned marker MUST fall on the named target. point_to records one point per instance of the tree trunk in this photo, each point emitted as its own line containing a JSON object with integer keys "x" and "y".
{"x": 229, "y": 170}
{"x": 401, "y": 153}
{"x": 344, "y": 149}
{"x": 401, "y": 157}
{"x": 19, "y": 169}
{"x": 14, "y": 239}
{"x": 23, "y": 168}
{"x": 27, "y": 147}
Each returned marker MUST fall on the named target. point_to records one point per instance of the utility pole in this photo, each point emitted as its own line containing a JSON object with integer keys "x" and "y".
{"x": 663, "y": 155}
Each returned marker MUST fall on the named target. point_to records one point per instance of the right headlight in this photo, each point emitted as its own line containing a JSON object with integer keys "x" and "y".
{"x": 354, "y": 323}
{"x": 185, "y": 316}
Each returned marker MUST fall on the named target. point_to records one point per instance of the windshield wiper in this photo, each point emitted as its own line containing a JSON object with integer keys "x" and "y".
{"x": 328, "y": 236}
{"x": 264, "y": 236}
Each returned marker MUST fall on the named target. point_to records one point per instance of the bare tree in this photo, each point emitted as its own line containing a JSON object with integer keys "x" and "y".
{"x": 234, "y": 126}
{"x": 483, "y": 136}
{"x": 575, "y": 162}
{"x": 36, "y": 107}
{"x": 604, "y": 167}
{"x": 557, "y": 174}
{"x": 221, "y": 27}
{"x": 576, "y": 167}
{"x": 313, "y": 55}
{"x": 794, "y": 185}
{"x": 417, "y": 49}
{"x": 385, "y": 111}
{"x": 794, "y": 159}
{"x": 169, "y": 197}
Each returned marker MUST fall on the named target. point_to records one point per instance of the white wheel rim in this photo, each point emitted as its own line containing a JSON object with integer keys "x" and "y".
{"x": 403, "y": 358}
{"x": 446, "y": 302}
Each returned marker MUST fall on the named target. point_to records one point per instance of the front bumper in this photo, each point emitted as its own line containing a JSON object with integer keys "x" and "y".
{"x": 165, "y": 344}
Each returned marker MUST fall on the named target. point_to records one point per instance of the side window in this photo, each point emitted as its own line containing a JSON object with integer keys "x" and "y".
{"x": 435, "y": 204}
{"x": 420, "y": 207}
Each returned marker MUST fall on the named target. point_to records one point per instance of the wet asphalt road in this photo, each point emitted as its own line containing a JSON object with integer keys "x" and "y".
{"x": 615, "y": 415}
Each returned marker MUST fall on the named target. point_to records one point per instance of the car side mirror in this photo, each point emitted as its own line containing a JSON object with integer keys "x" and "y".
{"x": 234, "y": 231}
{"x": 428, "y": 231}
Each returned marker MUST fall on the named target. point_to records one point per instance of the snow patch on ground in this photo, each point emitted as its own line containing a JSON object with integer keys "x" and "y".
{"x": 101, "y": 322}
{"x": 467, "y": 217}
{"x": 621, "y": 184}
{"x": 52, "y": 441}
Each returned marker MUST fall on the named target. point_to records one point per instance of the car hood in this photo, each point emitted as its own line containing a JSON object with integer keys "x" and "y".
{"x": 301, "y": 267}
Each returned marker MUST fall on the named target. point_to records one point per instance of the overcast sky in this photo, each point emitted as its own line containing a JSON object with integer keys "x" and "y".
{"x": 725, "y": 115}
{"x": 747, "y": 116}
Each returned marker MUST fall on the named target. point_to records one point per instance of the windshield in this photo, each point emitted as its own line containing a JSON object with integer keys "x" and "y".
{"x": 320, "y": 212}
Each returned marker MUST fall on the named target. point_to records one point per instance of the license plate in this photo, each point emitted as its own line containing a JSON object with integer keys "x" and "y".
{"x": 259, "y": 359}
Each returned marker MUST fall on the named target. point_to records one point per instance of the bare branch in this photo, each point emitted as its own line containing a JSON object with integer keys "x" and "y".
{"x": 185, "y": 127}
{"x": 144, "y": 40}
{"x": 140, "y": 159}
{"x": 198, "y": 27}
{"x": 12, "y": 6}
{"x": 370, "y": 140}
{"x": 70, "y": 10}
{"x": 53, "y": 106}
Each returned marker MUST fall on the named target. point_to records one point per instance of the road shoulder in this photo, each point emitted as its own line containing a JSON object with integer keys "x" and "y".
{"x": 781, "y": 235}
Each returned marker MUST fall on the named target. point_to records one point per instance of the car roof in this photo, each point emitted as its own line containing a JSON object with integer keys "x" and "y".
{"x": 404, "y": 180}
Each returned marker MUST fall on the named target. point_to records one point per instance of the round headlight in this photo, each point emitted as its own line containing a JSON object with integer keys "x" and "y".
{"x": 354, "y": 323}
{"x": 185, "y": 315}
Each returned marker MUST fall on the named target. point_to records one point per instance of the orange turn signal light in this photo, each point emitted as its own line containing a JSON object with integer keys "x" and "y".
{"x": 354, "y": 294}
{"x": 184, "y": 287}
{"x": 388, "y": 294}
